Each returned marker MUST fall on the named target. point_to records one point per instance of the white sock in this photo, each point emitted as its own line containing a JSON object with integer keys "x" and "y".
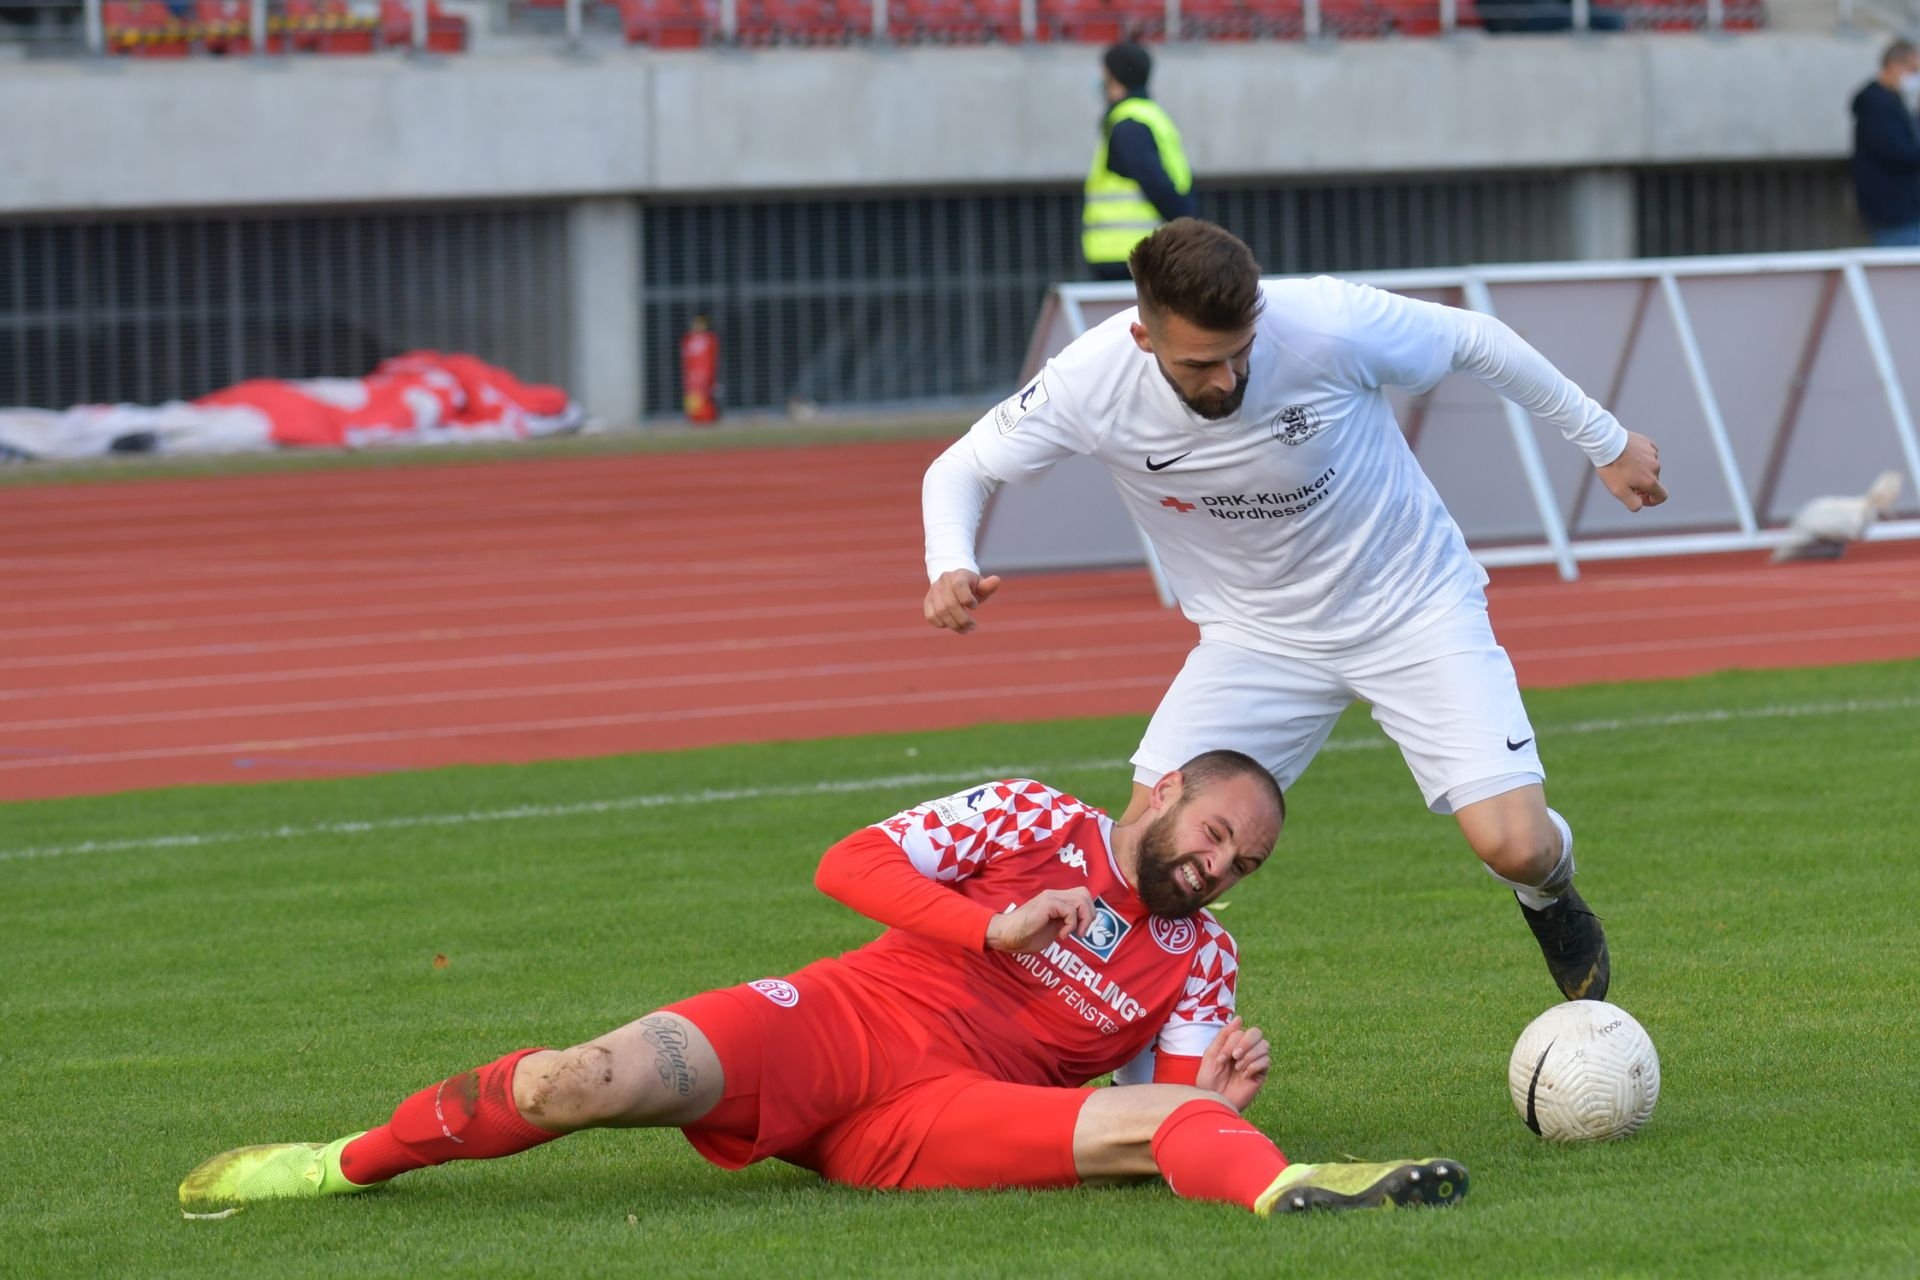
{"x": 1554, "y": 886}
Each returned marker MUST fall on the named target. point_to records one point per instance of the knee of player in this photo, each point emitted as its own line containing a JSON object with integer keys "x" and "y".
{"x": 1523, "y": 853}
{"x": 577, "y": 1087}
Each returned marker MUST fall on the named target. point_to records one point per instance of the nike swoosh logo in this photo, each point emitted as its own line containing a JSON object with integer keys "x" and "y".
{"x": 1515, "y": 746}
{"x": 1162, "y": 466}
{"x": 1533, "y": 1119}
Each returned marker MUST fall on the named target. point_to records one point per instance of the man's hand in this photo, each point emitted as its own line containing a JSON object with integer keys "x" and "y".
{"x": 954, "y": 595}
{"x": 1235, "y": 1064}
{"x": 1634, "y": 476}
{"x": 1050, "y": 916}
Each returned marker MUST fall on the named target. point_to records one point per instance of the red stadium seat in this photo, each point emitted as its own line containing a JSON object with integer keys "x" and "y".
{"x": 1102, "y": 21}
{"x": 225, "y": 27}
{"x": 666, "y": 24}
{"x": 144, "y": 29}
{"x": 769, "y": 22}
{"x": 446, "y": 32}
{"x": 328, "y": 26}
{"x": 954, "y": 21}
{"x": 1241, "y": 19}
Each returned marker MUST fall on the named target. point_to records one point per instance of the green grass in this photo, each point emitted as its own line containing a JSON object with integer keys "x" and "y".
{"x": 162, "y": 1001}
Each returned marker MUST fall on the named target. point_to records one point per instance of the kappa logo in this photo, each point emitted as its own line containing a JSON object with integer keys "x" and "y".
{"x": 1176, "y": 937}
{"x": 1297, "y": 424}
{"x": 1072, "y": 856}
{"x": 778, "y": 990}
{"x": 1007, "y": 414}
{"x": 1104, "y": 935}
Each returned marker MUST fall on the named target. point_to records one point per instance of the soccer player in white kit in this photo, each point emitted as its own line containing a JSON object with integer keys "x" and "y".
{"x": 1246, "y": 429}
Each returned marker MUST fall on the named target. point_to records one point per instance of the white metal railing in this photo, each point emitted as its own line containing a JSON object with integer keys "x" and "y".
{"x": 1846, "y": 362}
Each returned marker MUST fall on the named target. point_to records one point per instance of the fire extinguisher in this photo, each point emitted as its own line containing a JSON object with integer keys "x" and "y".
{"x": 699, "y": 371}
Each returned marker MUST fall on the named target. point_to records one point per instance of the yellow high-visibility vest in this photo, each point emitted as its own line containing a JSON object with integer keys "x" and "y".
{"x": 1117, "y": 214}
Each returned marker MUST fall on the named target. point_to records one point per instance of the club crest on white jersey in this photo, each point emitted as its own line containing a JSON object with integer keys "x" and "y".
{"x": 1007, "y": 414}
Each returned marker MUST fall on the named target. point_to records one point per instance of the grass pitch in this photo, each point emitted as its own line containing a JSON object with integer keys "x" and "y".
{"x": 185, "y": 971}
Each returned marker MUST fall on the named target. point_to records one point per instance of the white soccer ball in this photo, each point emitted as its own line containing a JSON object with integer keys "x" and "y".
{"x": 1584, "y": 1071}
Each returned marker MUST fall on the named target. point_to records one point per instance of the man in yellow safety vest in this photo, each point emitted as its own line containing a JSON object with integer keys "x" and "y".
{"x": 1140, "y": 177}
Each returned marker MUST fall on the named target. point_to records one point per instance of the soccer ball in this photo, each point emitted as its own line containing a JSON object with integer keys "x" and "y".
{"x": 1584, "y": 1071}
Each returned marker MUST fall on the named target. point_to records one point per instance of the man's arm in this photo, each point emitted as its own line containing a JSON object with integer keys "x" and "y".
{"x": 1132, "y": 153}
{"x": 873, "y": 875}
{"x": 1889, "y": 136}
{"x": 1410, "y": 343}
{"x": 953, "y": 497}
{"x": 1628, "y": 463}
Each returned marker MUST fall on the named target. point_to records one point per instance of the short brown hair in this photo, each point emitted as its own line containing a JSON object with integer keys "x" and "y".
{"x": 1220, "y": 765}
{"x": 1200, "y": 272}
{"x": 1898, "y": 51}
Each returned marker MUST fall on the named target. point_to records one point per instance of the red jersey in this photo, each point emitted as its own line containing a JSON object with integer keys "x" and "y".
{"x": 1129, "y": 983}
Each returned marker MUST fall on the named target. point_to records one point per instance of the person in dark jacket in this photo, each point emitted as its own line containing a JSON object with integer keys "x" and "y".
{"x": 1886, "y": 149}
{"x": 1140, "y": 178}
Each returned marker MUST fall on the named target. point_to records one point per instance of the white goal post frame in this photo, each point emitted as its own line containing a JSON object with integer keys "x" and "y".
{"x": 1022, "y": 526}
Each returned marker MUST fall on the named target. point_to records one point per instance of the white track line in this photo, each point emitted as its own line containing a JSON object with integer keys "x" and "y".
{"x": 956, "y": 658}
{"x": 620, "y": 804}
{"x": 254, "y": 747}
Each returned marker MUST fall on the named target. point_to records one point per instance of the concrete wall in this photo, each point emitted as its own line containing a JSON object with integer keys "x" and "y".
{"x": 121, "y": 135}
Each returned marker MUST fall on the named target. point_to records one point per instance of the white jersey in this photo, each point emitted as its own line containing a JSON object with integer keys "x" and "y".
{"x": 1301, "y": 524}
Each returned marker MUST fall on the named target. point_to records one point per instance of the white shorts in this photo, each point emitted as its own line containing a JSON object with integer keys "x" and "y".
{"x": 1446, "y": 695}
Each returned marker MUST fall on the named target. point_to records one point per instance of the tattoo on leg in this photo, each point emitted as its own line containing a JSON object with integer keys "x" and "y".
{"x": 670, "y": 1054}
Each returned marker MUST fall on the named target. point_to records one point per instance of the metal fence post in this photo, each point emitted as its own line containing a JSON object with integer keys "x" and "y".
{"x": 879, "y": 22}
{"x": 96, "y": 28}
{"x": 1582, "y": 15}
{"x": 1029, "y": 21}
{"x": 257, "y": 27}
{"x": 419, "y": 27}
{"x": 1520, "y": 425}
{"x": 1883, "y": 366}
{"x": 729, "y": 20}
{"x": 1449, "y": 16}
{"x": 575, "y": 24}
{"x": 1173, "y": 19}
{"x": 1709, "y": 405}
{"x": 1716, "y": 14}
{"x": 1310, "y": 20}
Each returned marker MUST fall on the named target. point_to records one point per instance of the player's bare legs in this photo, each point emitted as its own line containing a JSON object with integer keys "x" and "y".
{"x": 659, "y": 1070}
{"x": 1528, "y": 846}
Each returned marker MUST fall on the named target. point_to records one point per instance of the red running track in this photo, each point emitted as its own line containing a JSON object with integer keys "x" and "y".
{"x": 319, "y": 623}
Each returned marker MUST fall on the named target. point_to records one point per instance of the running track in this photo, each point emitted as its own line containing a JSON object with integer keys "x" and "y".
{"x": 320, "y": 623}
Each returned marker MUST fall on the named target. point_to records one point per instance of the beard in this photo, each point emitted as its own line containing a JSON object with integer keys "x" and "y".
{"x": 1161, "y": 891}
{"x": 1214, "y": 407}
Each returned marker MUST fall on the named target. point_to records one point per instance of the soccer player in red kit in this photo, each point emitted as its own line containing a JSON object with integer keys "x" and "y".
{"x": 1032, "y": 946}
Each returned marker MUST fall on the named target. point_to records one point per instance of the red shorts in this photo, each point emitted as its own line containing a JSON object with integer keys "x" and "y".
{"x": 808, "y": 1081}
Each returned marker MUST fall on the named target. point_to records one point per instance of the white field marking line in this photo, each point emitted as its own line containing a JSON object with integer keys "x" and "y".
{"x": 539, "y": 812}
{"x": 1148, "y": 611}
{"x": 475, "y": 602}
{"x": 256, "y": 747}
{"x": 954, "y": 659}
{"x": 522, "y": 813}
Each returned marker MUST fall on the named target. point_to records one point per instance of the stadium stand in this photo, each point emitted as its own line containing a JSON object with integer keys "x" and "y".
{"x": 155, "y": 29}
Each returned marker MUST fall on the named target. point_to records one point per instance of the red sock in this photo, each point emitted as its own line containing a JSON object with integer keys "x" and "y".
{"x": 470, "y": 1116}
{"x": 1207, "y": 1152}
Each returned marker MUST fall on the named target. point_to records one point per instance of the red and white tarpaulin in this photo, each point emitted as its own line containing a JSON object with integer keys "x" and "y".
{"x": 421, "y": 397}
